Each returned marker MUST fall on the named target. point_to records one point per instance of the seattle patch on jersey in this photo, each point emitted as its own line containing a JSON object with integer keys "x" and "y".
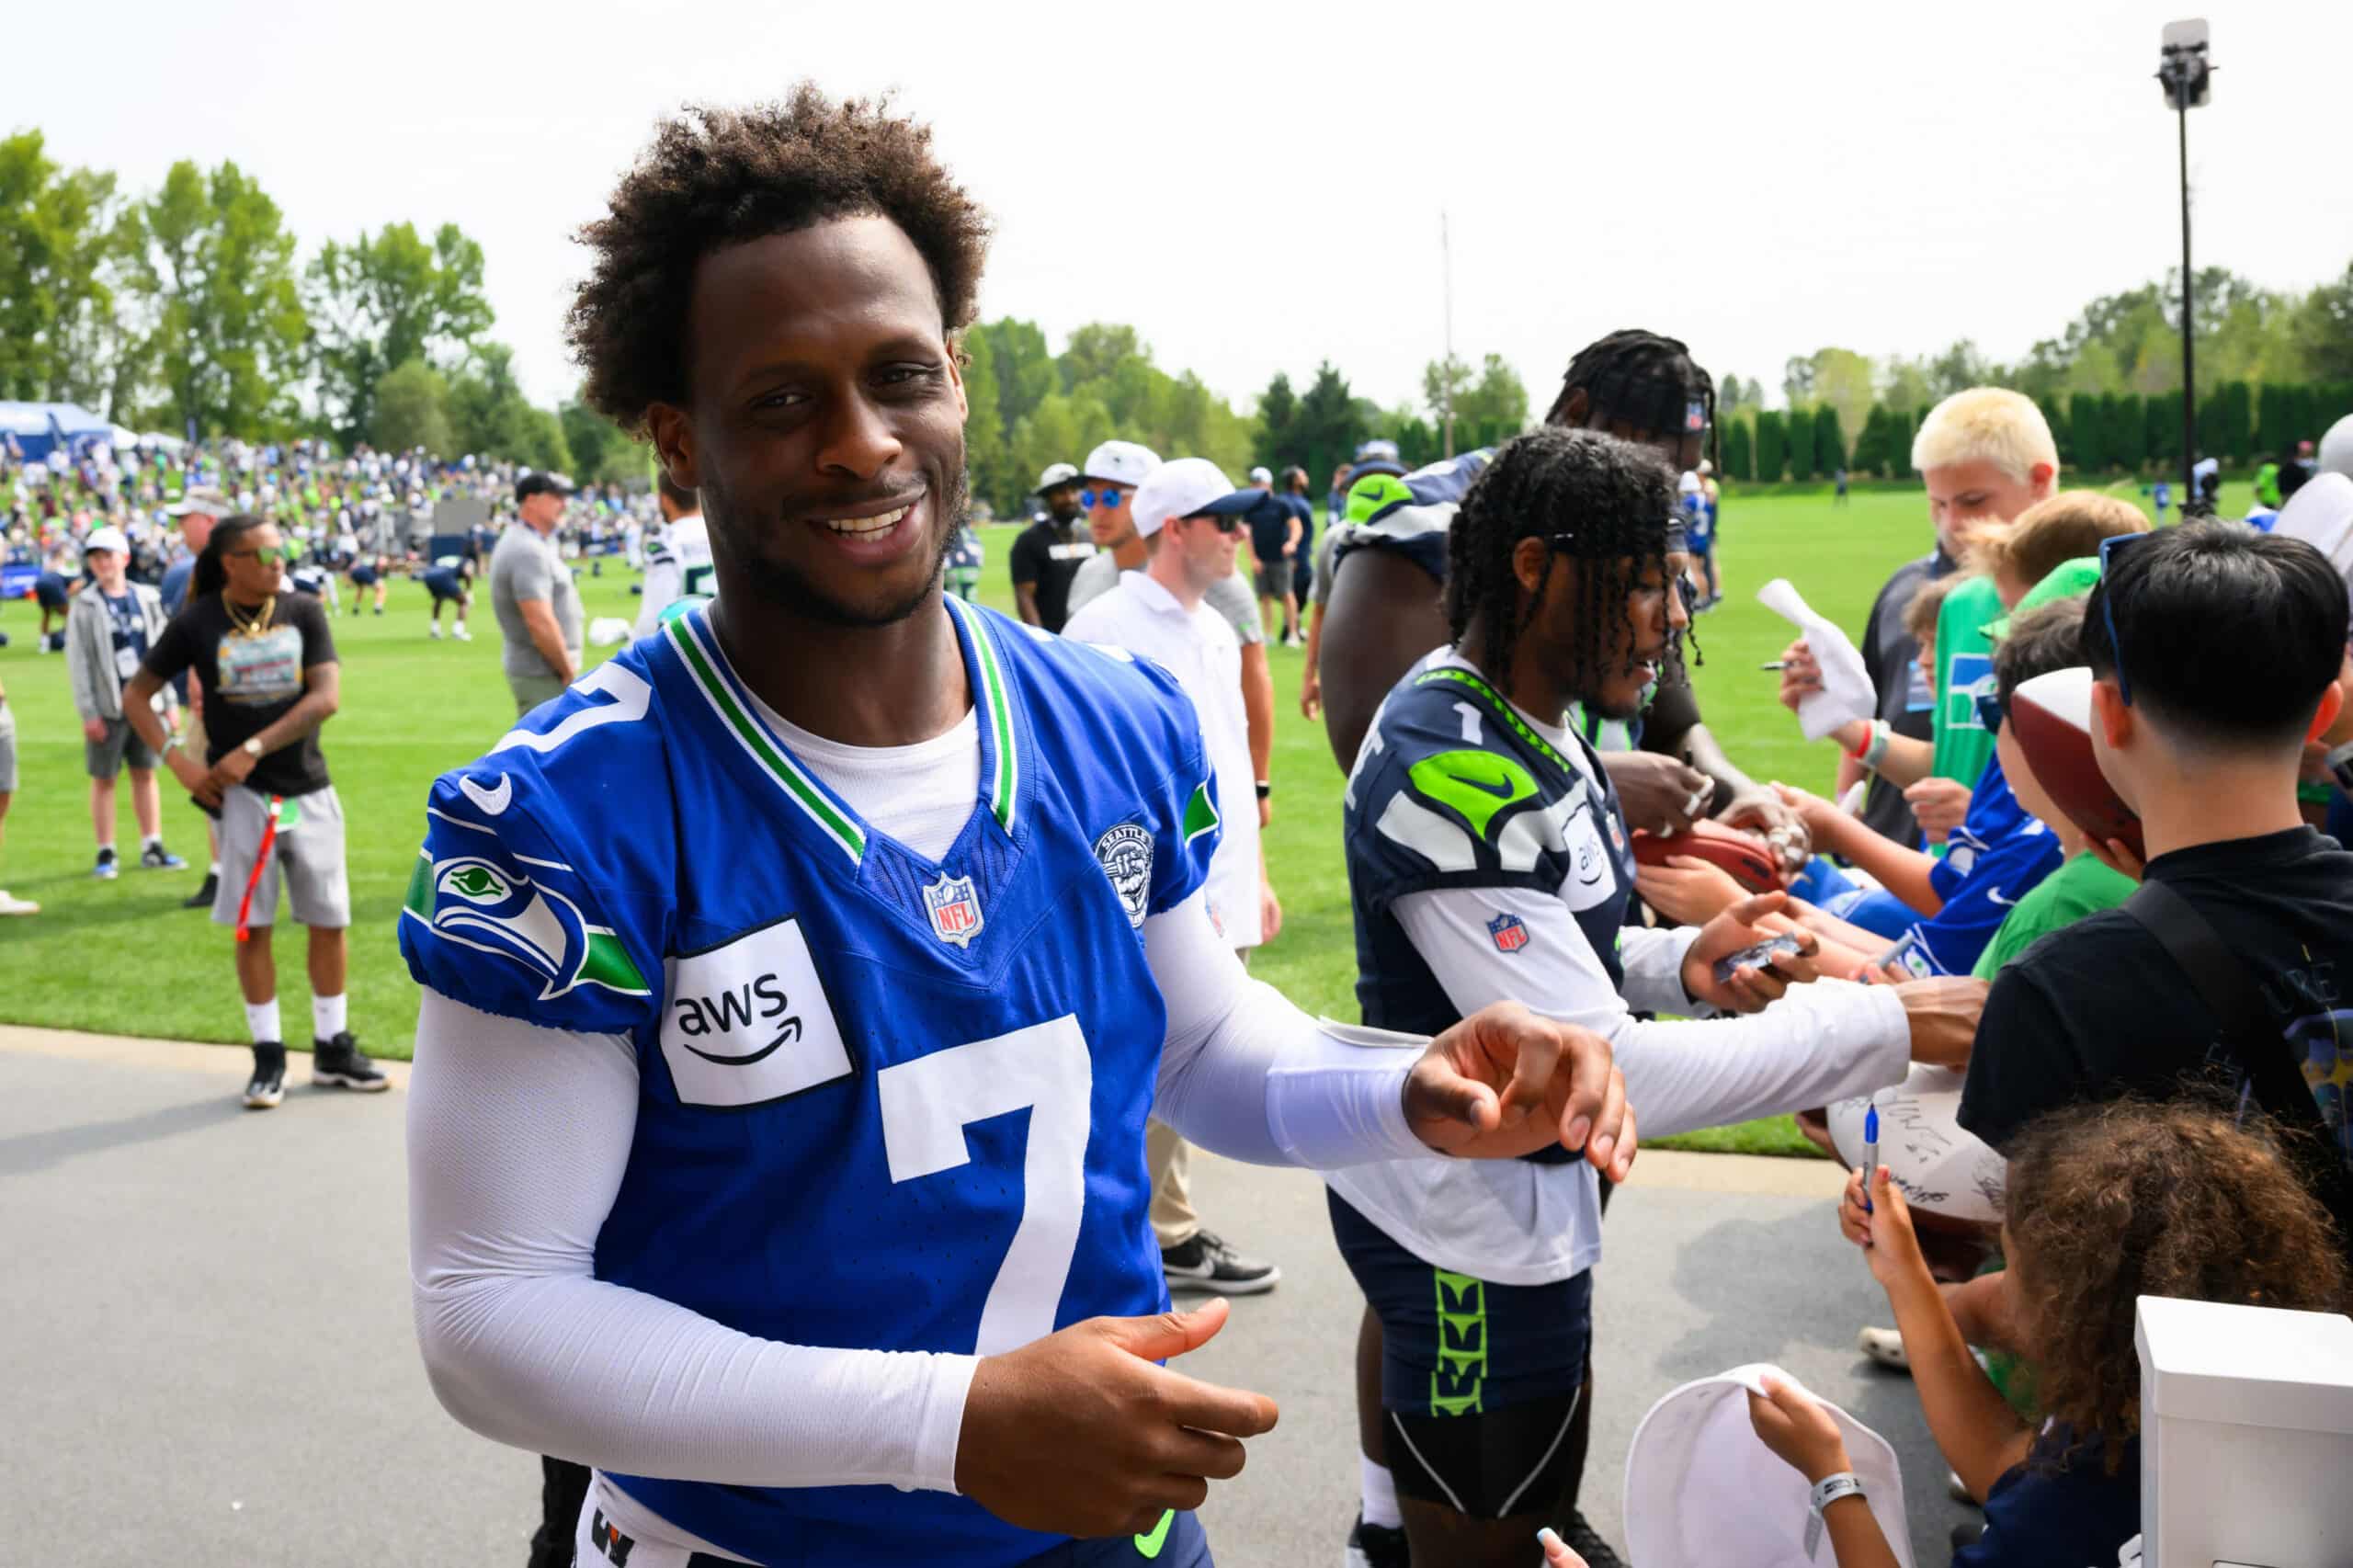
{"x": 885, "y": 1102}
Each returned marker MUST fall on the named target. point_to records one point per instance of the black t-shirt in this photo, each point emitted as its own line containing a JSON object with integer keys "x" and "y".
{"x": 2101, "y": 1010}
{"x": 1049, "y": 554}
{"x": 250, "y": 680}
{"x": 2059, "y": 1509}
{"x": 1269, "y": 522}
{"x": 1891, "y": 657}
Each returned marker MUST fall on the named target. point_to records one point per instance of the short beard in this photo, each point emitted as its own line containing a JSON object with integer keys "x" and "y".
{"x": 783, "y": 588}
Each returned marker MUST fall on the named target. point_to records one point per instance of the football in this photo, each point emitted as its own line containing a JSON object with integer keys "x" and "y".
{"x": 2052, "y": 716}
{"x": 1743, "y": 855}
{"x": 1942, "y": 1168}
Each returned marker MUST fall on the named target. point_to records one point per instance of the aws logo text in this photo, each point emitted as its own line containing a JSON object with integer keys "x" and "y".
{"x": 760, "y": 999}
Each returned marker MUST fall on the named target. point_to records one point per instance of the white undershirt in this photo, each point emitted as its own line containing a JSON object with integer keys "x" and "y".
{"x": 1520, "y": 1223}
{"x": 520, "y": 1136}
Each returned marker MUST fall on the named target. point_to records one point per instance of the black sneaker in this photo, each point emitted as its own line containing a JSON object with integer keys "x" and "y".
{"x": 155, "y": 858}
{"x": 202, "y": 897}
{"x": 1207, "y": 1265}
{"x": 267, "y": 1085}
{"x": 1586, "y": 1542}
{"x": 337, "y": 1061}
{"x": 1376, "y": 1546}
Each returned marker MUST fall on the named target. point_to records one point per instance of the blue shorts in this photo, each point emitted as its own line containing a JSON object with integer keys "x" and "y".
{"x": 1479, "y": 1381}
{"x": 1184, "y": 1545}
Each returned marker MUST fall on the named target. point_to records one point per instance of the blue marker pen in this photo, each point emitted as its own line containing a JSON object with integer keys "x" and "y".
{"x": 1871, "y": 1152}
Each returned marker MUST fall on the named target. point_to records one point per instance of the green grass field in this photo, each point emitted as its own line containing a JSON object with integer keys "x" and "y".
{"x": 123, "y": 956}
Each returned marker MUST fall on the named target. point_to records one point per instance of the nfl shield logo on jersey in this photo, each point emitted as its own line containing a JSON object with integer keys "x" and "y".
{"x": 955, "y": 909}
{"x": 1509, "y": 931}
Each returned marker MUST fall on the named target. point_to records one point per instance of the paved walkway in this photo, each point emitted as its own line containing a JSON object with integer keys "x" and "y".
{"x": 208, "y": 1359}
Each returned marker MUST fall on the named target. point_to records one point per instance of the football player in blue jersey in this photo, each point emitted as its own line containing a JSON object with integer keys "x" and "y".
{"x": 1382, "y": 613}
{"x": 797, "y": 984}
{"x": 1489, "y": 860}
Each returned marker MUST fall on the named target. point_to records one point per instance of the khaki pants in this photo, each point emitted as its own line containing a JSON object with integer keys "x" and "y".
{"x": 1171, "y": 1160}
{"x": 532, "y": 690}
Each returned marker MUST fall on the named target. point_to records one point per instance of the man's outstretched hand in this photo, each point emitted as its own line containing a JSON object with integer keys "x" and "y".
{"x": 1080, "y": 1433}
{"x": 1505, "y": 1082}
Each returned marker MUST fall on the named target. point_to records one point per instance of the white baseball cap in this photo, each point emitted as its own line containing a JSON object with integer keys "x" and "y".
{"x": 1261, "y": 476}
{"x": 1703, "y": 1488}
{"x": 1183, "y": 488}
{"x": 1122, "y": 463}
{"x": 107, "y": 538}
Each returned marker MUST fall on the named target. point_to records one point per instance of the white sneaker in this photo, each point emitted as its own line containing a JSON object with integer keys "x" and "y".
{"x": 435, "y": 633}
{"x": 464, "y": 635}
{"x": 11, "y": 904}
{"x": 1884, "y": 1345}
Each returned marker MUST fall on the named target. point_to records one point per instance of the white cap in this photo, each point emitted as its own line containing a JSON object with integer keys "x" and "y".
{"x": 1122, "y": 462}
{"x": 1688, "y": 484}
{"x": 2335, "y": 451}
{"x": 1180, "y": 488}
{"x": 1705, "y": 467}
{"x": 107, "y": 538}
{"x": 1057, "y": 473}
{"x": 1261, "y": 476}
{"x": 1703, "y": 1488}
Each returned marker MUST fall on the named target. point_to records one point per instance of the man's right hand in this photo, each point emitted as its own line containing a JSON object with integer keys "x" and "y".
{"x": 1800, "y": 676}
{"x": 1080, "y": 1433}
{"x": 1662, "y": 794}
{"x": 1943, "y": 1014}
{"x": 194, "y": 776}
{"x": 94, "y": 731}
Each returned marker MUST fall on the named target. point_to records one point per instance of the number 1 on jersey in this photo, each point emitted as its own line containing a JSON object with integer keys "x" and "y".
{"x": 929, "y": 1102}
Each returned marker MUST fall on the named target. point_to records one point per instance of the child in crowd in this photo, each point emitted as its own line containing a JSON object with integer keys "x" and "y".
{"x": 2106, "y": 1204}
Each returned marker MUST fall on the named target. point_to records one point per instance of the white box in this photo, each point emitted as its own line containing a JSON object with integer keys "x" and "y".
{"x": 2246, "y": 1436}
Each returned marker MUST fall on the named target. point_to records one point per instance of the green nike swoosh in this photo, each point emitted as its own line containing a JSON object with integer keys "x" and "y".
{"x": 1148, "y": 1546}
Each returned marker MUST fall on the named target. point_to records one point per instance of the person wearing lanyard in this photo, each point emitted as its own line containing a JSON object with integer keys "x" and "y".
{"x": 1489, "y": 860}
{"x": 109, "y": 631}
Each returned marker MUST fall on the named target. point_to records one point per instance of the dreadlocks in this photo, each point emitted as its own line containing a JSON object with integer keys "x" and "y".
{"x": 1606, "y": 502}
{"x": 1642, "y": 381}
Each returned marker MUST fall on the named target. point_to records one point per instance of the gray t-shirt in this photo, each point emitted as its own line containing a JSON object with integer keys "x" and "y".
{"x": 526, "y": 567}
{"x": 1230, "y": 596}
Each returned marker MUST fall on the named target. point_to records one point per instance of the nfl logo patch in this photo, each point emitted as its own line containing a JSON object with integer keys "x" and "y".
{"x": 1509, "y": 931}
{"x": 954, "y": 908}
{"x": 1694, "y": 416}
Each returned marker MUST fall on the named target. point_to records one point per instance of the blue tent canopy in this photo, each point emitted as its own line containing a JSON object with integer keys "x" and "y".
{"x": 37, "y": 426}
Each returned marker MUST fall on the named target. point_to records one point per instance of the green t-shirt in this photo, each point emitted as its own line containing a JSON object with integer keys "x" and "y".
{"x": 2083, "y": 886}
{"x": 1964, "y": 667}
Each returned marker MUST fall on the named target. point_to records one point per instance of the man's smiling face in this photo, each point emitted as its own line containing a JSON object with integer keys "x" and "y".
{"x": 825, "y": 430}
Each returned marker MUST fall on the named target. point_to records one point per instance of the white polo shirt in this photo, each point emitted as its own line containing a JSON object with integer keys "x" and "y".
{"x": 1199, "y": 649}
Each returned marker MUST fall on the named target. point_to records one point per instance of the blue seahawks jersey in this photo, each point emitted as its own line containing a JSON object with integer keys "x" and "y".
{"x": 883, "y": 1102}
{"x": 1413, "y": 515}
{"x": 1996, "y": 858}
{"x": 1454, "y": 789}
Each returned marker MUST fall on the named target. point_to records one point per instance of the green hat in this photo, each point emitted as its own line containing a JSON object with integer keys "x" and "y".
{"x": 2068, "y": 580}
{"x": 1374, "y": 496}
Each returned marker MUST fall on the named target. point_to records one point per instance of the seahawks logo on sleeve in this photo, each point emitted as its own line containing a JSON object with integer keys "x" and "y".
{"x": 509, "y": 932}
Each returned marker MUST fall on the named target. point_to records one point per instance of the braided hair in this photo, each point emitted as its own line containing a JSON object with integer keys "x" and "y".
{"x": 212, "y": 574}
{"x": 1609, "y": 503}
{"x": 1642, "y": 381}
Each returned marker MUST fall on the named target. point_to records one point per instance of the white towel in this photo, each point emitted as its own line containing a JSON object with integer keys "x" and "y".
{"x": 1847, "y": 691}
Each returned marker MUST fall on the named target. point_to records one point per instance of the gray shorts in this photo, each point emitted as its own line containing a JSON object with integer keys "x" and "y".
{"x": 7, "y": 750}
{"x": 532, "y": 690}
{"x": 308, "y": 855}
{"x": 120, "y": 749}
{"x": 1274, "y": 578}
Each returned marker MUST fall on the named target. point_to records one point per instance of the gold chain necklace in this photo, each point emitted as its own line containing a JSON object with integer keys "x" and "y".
{"x": 252, "y": 625}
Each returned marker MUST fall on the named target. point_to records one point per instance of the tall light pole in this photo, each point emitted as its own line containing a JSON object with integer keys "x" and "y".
{"x": 2187, "y": 76}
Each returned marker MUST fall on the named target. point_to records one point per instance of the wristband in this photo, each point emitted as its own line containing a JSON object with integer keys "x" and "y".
{"x": 1871, "y": 733}
{"x": 1827, "y": 1491}
{"x": 2340, "y": 766}
{"x": 1874, "y": 751}
{"x": 1264, "y": 789}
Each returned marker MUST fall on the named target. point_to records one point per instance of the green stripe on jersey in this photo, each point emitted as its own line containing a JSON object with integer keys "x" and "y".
{"x": 998, "y": 715}
{"x": 1200, "y": 813}
{"x": 754, "y": 739}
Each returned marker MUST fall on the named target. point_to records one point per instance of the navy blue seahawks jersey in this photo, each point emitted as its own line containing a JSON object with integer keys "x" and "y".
{"x": 1410, "y": 515}
{"x": 884, "y": 1102}
{"x": 1454, "y": 789}
{"x": 1999, "y": 855}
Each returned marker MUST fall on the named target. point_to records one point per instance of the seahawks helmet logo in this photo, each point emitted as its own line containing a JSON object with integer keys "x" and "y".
{"x": 495, "y": 909}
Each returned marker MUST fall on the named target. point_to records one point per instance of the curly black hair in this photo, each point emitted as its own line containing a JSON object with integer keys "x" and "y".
{"x": 1607, "y": 502}
{"x": 1647, "y": 380}
{"x": 2109, "y": 1203}
{"x": 715, "y": 177}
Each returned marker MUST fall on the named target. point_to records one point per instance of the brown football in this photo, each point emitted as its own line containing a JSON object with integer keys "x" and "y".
{"x": 1739, "y": 853}
{"x": 2052, "y": 717}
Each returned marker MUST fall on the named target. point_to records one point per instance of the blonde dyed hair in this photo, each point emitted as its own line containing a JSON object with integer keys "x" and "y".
{"x": 2067, "y": 527}
{"x": 1991, "y": 425}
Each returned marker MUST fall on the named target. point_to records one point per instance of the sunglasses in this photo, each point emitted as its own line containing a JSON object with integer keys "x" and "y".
{"x": 267, "y": 554}
{"x": 2110, "y": 548}
{"x": 1990, "y": 711}
{"x": 1108, "y": 498}
{"x": 1226, "y": 521}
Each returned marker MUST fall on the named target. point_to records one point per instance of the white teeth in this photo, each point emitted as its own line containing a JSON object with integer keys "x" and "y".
{"x": 859, "y": 527}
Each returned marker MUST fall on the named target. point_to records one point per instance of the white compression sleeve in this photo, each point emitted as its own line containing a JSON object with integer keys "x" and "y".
{"x": 1821, "y": 1043}
{"x": 518, "y": 1137}
{"x": 1247, "y": 1075}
